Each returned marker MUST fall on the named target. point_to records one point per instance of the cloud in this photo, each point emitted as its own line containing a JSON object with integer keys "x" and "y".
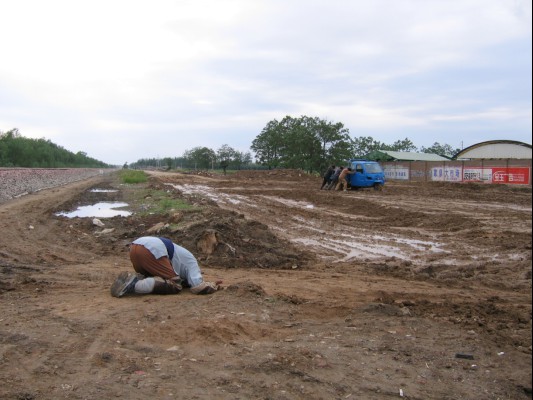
{"x": 494, "y": 114}
{"x": 123, "y": 80}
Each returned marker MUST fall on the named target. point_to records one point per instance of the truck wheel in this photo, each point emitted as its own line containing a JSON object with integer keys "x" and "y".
{"x": 378, "y": 187}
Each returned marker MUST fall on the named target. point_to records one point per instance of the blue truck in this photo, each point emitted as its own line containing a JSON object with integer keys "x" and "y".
{"x": 368, "y": 174}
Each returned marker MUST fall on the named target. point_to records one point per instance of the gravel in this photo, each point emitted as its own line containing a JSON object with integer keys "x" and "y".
{"x": 16, "y": 182}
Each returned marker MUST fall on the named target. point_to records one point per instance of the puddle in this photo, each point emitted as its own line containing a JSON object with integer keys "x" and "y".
{"x": 98, "y": 210}
{"x": 369, "y": 247}
{"x": 291, "y": 203}
{"x": 103, "y": 191}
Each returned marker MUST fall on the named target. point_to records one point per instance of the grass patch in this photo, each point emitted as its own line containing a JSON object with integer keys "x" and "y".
{"x": 161, "y": 202}
{"x": 148, "y": 200}
{"x": 132, "y": 176}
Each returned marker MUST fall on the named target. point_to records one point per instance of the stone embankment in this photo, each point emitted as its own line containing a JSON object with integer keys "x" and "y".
{"x": 16, "y": 182}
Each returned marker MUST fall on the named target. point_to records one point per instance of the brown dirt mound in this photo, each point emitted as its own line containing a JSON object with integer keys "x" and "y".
{"x": 240, "y": 243}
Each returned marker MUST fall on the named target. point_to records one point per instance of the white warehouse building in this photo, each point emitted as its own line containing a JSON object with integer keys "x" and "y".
{"x": 496, "y": 150}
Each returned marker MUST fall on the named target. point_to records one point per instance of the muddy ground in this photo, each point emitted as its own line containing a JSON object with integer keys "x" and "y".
{"x": 421, "y": 291}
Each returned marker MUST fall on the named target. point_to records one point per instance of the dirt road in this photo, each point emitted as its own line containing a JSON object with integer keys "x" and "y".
{"x": 357, "y": 295}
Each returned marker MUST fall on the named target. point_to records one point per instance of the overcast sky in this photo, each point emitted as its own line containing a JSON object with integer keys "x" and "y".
{"x": 123, "y": 80}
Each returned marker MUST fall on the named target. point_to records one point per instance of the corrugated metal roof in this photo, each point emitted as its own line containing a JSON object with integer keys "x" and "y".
{"x": 409, "y": 156}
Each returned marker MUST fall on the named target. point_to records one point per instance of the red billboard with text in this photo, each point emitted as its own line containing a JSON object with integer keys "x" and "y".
{"x": 511, "y": 175}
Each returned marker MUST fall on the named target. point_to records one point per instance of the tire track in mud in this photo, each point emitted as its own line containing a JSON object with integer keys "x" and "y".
{"x": 324, "y": 232}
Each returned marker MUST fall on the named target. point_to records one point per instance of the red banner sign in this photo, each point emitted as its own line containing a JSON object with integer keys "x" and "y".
{"x": 517, "y": 176}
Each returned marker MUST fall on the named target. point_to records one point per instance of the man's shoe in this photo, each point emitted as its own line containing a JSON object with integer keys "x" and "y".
{"x": 125, "y": 283}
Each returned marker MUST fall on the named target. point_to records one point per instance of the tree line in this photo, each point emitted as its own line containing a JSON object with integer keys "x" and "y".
{"x": 307, "y": 143}
{"x": 226, "y": 157}
{"x": 18, "y": 151}
{"x": 313, "y": 143}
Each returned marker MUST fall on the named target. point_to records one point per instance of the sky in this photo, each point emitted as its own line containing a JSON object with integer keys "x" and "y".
{"x": 125, "y": 80}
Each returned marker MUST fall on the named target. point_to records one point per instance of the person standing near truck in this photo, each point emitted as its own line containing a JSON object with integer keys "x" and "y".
{"x": 342, "y": 179}
{"x": 335, "y": 178}
{"x": 327, "y": 177}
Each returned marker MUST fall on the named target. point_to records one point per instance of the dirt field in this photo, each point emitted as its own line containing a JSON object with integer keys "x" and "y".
{"x": 421, "y": 291}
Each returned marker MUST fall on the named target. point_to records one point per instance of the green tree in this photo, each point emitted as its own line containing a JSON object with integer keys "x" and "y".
{"x": 300, "y": 143}
{"x": 241, "y": 159}
{"x": 445, "y": 150}
{"x": 401, "y": 145}
{"x": 225, "y": 155}
{"x": 201, "y": 157}
{"x": 335, "y": 143}
{"x": 361, "y": 146}
{"x": 267, "y": 146}
{"x": 305, "y": 142}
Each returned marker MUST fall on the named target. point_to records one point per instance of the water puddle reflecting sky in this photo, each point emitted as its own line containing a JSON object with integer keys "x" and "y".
{"x": 98, "y": 210}
{"x": 103, "y": 191}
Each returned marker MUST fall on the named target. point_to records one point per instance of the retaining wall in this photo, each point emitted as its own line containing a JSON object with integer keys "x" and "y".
{"x": 15, "y": 182}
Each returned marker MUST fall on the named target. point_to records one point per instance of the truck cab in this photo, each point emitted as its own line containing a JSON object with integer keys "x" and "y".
{"x": 367, "y": 174}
